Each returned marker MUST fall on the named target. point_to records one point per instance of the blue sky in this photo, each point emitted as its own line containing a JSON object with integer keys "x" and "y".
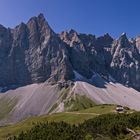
{"x": 85, "y": 16}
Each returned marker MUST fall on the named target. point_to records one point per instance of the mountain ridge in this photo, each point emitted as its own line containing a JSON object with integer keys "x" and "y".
{"x": 34, "y": 53}
{"x": 43, "y": 72}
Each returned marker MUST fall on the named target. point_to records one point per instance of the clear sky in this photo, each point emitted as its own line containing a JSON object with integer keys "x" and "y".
{"x": 85, "y": 16}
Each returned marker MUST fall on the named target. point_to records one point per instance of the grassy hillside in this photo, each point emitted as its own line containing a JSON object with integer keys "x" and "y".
{"x": 69, "y": 117}
{"x": 27, "y": 124}
{"x": 6, "y": 106}
{"x": 103, "y": 127}
{"x": 78, "y": 103}
{"x": 104, "y": 109}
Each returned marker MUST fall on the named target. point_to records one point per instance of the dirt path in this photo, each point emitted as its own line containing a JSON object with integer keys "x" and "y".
{"x": 78, "y": 113}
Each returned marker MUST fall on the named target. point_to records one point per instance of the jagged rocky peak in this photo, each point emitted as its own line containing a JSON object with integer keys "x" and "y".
{"x": 2, "y": 28}
{"x": 106, "y": 36}
{"x": 125, "y": 65}
{"x": 105, "y": 55}
{"x": 3, "y": 32}
{"x": 72, "y": 31}
{"x": 40, "y": 20}
{"x": 70, "y": 37}
{"x": 123, "y": 41}
{"x": 104, "y": 41}
{"x": 40, "y": 25}
{"x": 73, "y": 38}
{"x": 33, "y": 52}
{"x": 5, "y": 41}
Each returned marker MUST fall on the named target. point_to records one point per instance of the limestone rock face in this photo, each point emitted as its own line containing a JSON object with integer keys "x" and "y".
{"x": 88, "y": 54}
{"x": 119, "y": 58}
{"x": 125, "y": 65}
{"x": 33, "y": 53}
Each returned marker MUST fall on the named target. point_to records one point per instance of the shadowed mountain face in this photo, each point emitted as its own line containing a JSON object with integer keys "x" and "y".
{"x": 119, "y": 58}
{"x": 34, "y": 53}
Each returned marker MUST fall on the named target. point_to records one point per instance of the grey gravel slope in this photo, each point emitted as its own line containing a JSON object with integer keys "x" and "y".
{"x": 38, "y": 99}
{"x": 113, "y": 93}
{"x": 35, "y": 99}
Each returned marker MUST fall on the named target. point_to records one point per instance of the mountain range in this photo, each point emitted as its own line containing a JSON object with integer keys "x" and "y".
{"x": 44, "y": 72}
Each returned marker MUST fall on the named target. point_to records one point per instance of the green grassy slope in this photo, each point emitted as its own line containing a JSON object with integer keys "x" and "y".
{"x": 100, "y": 109}
{"x": 69, "y": 117}
{"x": 72, "y": 101}
{"x": 78, "y": 103}
{"x": 27, "y": 124}
{"x": 6, "y": 106}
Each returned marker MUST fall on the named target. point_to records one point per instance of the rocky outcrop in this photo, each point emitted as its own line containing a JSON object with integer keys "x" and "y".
{"x": 119, "y": 58}
{"x": 125, "y": 65}
{"x": 34, "y": 53}
{"x": 88, "y": 54}
{"x": 137, "y": 41}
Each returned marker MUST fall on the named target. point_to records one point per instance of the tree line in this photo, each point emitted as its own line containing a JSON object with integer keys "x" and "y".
{"x": 103, "y": 127}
